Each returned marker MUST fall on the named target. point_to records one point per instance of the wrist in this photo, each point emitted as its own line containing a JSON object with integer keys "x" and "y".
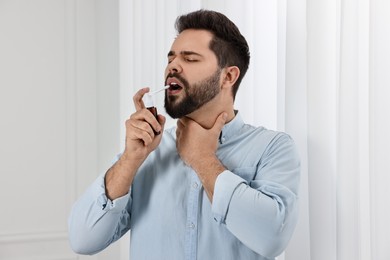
{"x": 208, "y": 171}
{"x": 209, "y": 165}
{"x": 131, "y": 160}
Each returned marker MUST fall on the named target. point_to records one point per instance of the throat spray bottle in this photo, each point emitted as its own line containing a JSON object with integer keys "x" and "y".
{"x": 149, "y": 102}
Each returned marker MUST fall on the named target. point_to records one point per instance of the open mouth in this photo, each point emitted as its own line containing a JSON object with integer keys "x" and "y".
{"x": 174, "y": 88}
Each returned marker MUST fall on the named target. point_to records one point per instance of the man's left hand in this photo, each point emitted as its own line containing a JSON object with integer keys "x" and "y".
{"x": 197, "y": 147}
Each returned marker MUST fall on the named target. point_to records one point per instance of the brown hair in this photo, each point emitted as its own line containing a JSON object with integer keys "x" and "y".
{"x": 228, "y": 44}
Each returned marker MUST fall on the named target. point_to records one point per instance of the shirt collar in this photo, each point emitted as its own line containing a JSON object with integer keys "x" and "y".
{"x": 231, "y": 128}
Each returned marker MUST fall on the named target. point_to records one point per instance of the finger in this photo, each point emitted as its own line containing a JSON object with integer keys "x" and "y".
{"x": 144, "y": 136}
{"x": 137, "y": 98}
{"x": 220, "y": 122}
{"x": 147, "y": 116}
{"x": 133, "y": 125}
{"x": 136, "y": 133}
{"x": 143, "y": 126}
{"x": 161, "y": 120}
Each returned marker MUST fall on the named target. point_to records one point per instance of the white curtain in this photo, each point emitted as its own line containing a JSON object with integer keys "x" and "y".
{"x": 348, "y": 124}
{"x": 319, "y": 71}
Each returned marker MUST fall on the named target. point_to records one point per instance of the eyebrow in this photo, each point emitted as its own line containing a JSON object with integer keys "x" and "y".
{"x": 185, "y": 53}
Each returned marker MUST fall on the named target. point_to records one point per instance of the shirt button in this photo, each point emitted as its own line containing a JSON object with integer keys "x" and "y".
{"x": 195, "y": 185}
{"x": 223, "y": 139}
{"x": 191, "y": 226}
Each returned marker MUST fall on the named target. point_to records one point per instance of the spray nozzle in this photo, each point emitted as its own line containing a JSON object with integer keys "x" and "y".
{"x": 148, "y": 97}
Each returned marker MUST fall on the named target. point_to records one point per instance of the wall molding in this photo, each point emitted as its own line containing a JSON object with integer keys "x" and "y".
{"x": 33, "y": 237}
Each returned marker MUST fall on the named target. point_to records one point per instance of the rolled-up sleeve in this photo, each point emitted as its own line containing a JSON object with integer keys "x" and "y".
{"x": 95, "y": 221}
{"x": 262, "y": 213}
{"x": 224, "y": 188}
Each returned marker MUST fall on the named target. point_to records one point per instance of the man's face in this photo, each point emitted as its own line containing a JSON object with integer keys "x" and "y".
{"x": 192, "y": 72}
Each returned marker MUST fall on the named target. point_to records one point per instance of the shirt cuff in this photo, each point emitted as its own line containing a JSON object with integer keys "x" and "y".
{"x": 106, "y": 204}
{"x": 224, "y": 188}
{"x": 118, "y": 204}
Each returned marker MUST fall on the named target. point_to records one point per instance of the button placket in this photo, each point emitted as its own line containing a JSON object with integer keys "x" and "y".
{"x": 192, "y": 217}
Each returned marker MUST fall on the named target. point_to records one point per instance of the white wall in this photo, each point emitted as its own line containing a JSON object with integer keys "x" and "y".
{"x": 59, "y": 109}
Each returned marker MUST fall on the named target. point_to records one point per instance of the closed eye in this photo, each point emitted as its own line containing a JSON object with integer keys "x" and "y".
{"x": 187, "y": 59}
{"x": 188, "y": 56}
{"x": 190, "y": 59}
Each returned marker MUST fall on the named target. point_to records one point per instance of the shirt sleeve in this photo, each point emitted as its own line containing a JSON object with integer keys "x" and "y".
{"x": 95, "y": 221}
{"x": 262, "y": 213}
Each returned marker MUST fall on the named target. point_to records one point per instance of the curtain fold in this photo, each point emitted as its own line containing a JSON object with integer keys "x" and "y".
{"x": 346, "y": 122}
{"x": 379, "y": 127}
{"x": 296, "y": 117}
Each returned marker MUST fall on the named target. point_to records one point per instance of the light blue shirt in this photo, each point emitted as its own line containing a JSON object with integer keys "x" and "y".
{"x": 253, "y": 214}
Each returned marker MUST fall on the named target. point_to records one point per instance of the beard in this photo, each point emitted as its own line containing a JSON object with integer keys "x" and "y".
{"x": 195, "y": 95}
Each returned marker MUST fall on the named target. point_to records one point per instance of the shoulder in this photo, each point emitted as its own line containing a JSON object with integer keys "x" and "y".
{"x": 281, "y": 147}
{"x": 264, "y": 135}
{"x": 272, "y": 143}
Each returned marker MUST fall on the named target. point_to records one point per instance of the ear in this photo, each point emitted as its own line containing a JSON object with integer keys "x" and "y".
{"x": 230, "y": 76}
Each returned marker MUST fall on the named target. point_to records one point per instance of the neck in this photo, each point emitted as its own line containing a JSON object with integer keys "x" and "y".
{"x": 206, "y": 116}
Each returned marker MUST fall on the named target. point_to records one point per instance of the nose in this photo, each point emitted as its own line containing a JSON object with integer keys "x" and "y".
{"x": 174, "y": 67}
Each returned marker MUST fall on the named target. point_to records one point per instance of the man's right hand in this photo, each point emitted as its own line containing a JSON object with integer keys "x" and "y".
{"x": 141, "y": 128}
{"x": 141, "y": 140}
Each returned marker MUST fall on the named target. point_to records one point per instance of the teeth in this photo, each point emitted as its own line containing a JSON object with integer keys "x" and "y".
{"x": 174, "y": 86}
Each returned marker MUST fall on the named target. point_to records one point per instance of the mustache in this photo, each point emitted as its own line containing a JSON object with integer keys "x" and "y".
{"x": 177, "y": 76}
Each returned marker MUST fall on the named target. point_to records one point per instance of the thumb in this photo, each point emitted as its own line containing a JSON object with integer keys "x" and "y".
{"x": 220, "y": 122}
